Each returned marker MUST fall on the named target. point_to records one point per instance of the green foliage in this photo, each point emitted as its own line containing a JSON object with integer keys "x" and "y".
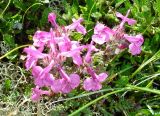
{"x": 19, "y": 19}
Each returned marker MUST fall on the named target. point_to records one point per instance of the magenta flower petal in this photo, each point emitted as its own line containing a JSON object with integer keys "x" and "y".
{"x": 52, "y": 19}
{"x": 76, "y": 25}
{"x": 57, "y": 86}
{"x": 41, "y": 38}
{"x": 102, "y": 33}
{"x": 75, "y": 54}
{"x": 36, "y": 93}
{"x": 65, "y": 45}
{"x": 46, "y": 79}
{"x": 30, "y": 62}
{"x": 102, "y": 77}
{"x": 77, "y": 59}
{"x": 91, "y": 84}
{"x": 75, "y": 80}
{"x": 98, "y": 28}
{"x": 36, "y": 70}
{"x": 90, "y": 48}
{"x": 138, "y": 39}
{"x": 32, "y": 51}
{"x": 99, "y": 39}
{"x": 66, "y": 88}
{"x": 68, "y": 83}
{"x": 125, "y": 19}
{"x": 46, "y": 70}
{"x": 94, "y": 82}
{"x": 134, "y": 49}
{"x": 81, "y": 29}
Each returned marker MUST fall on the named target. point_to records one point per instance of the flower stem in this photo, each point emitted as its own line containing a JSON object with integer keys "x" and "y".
{"x": 5, "y": 8}
{"x": 8, "y": 53}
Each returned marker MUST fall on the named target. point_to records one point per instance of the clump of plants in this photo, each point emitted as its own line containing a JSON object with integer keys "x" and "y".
{"x": 60, "y": 64}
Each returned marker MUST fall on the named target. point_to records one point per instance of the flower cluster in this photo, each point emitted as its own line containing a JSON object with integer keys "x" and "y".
{"x": 51, "y": 50}
{"x": 116, "y": 39}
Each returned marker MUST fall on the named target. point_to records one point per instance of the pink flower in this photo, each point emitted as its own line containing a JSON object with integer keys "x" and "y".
{"x": 76, "y": 25}
{"x": 65, "y": 45}
{"x": 75, "y": 53}
{"x": 67, "y": 83}
{"x": 36, "y": 53}
{"x": 42, "y": 78}
{"x": 52, "y": 19}
{"x": 41, "y": 38}
{"x": 102, "y": 34}
{"x": 136, "y": 42}
{"x": 125, "y": 19}
{"x": 36, "y": 93}
{"x": 138, "y": 39}
{"x": 33, "y": 55}
{"x": 134, "y": 49}
{"x": 30, "y": 62}
{"x": 90, "y": 48}
{"x": 94, "y": 82}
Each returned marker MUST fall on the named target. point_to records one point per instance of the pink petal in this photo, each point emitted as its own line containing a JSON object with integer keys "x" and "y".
{"x": 52, "y": 19}
{"x": 92, "y": 84}
{"x": 40, "y": 38}
{"x": 87, "y": 84}
{"x": 119, "y": 15}
{"x": 30, "y": 62}
{"x": 81, "y": 29}
{"x": 36, "y": 70}
{"x": 99, "y": 39}
{"x": 75, "y": 80}
{"x": 46, "y": 70}
{"x": 77, "y": 59}
{"x": 102, "y": 77}
{"x": 131, "y": 21}
{"x": 34, "y": 52}
{"x": 36, "y": 93}
{"x": 76, "y": 25}
{"x": 99, "y": 28}
{"x": 134, "y": 49}
{"x": 125, "y": 19}
{"x": 66, "y": 87}
{"x": 57, "y": 86}
{"x": 138, "y": 39}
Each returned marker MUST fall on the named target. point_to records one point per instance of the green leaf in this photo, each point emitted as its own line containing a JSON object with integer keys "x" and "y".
{"x": 96, "y": 15}
{"x": 7, "y": 85}
{"x": 19, "y": 4}
{"x": 9, "y": 40}
{"x": 44, "y": 18}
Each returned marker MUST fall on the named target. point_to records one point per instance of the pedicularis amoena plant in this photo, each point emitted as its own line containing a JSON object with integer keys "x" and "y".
{"x": 50, "y": 53}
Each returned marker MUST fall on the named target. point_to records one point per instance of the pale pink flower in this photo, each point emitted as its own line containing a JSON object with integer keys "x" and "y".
{"x": 90, "y": 48}
{"x": 33, "y": 55}
{"x": 76, "y": 25}
{"x": 67, "y": 83}
{"x": 41, "y": 38}
{"x": 102, "y": 34}
{"x": 42, "y": 78}
{"x": 75, "y": 54}
{"x": 94, "y": 82}
{"x": 134, "y": 49}
{"x": 136, "y": 42}
{"x": 37, "y": 92}
{"x": 125, "y": 19}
